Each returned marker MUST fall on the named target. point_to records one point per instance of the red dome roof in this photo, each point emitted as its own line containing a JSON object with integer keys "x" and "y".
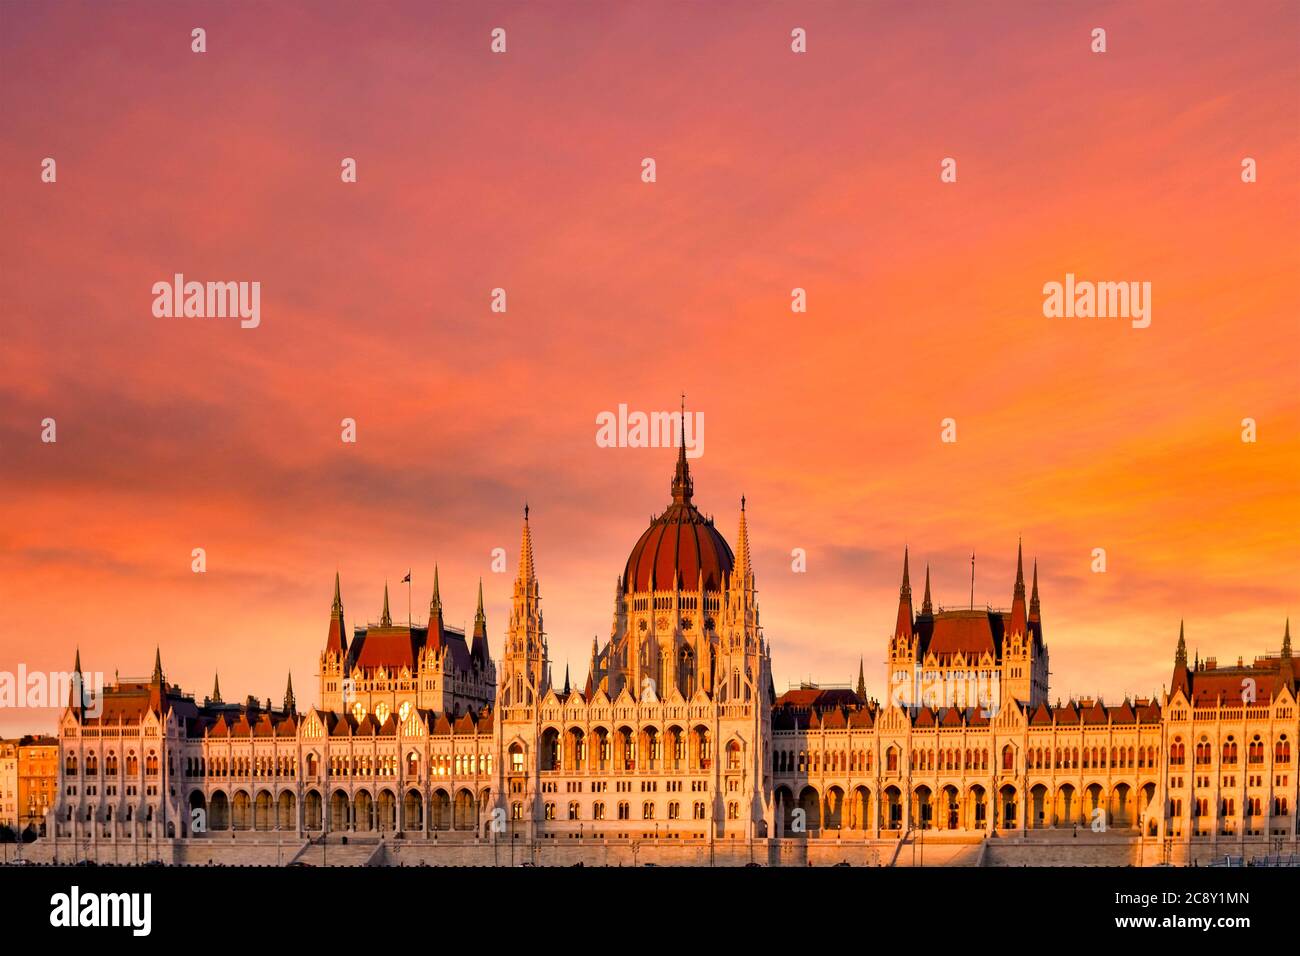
{"x": 679, "y": 544}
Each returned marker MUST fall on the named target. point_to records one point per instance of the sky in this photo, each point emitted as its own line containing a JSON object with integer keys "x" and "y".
{"x": 774, "y": 170}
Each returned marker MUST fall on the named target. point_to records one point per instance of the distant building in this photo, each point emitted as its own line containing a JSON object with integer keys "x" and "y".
{"x": 38, "y": 780}
{"x": 9, "y": 784}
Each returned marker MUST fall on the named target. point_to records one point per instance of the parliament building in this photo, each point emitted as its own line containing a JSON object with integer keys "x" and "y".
{"x": 424, "y": 747}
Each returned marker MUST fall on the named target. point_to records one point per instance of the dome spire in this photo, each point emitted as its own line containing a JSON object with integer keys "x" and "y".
{"x": 683, "y": 487}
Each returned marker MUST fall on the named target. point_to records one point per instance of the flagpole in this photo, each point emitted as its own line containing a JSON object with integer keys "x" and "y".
{"x": 408, "y": 598}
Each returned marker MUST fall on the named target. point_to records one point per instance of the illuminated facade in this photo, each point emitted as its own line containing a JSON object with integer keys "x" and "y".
{"x": 677, "y": 734}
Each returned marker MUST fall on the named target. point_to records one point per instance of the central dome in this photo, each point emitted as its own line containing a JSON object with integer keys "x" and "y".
{"x": 679, "y": 545}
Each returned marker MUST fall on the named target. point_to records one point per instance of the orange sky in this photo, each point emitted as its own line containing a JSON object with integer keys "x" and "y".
{"x": 522, "y": 171}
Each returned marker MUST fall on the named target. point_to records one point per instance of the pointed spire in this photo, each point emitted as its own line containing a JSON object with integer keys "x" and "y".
{"x": 927, "y": 610}
{"x": 1019, "y": 620}
{"x": 157, "y": 677}
{"x": 216, "y": 688}
{"x": 527, "y": 569}
{"x": 566, "y": 678}
{"x": 289, "y": 702}
{"x": 1286, "y": 667}
{"x": 385, "y": 619}
{"x": 1033, "y": 597}
{"x": 745, "y": 566}
{"x": 435, "y": 603}
{"x": 76, "y": 692}
{"x": 590, "y": 687}
{"x": 862, "y": 683}
{"x": 903, "y": 627}
{"x": 479, "y": 646}
{"x": 683, "y": 487}
{"x": 1181, "y": 679}
{"x": 1020, "y": 570}
{"x": 336, "y": 641}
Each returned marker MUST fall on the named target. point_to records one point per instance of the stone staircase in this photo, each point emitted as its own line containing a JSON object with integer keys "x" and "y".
{"x": 358, "y": 851}
{"x": 938, "y": 850}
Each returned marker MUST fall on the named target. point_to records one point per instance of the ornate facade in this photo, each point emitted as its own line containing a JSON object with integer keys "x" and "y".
{"x": 677, "y": 733}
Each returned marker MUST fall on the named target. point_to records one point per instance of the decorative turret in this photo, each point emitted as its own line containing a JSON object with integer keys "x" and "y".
{"x": 385, "y": 619}
{"x": 927, "y": 609}
{"x": 862, "y": 683}
{"x": 157, "y": 677}
{"x": 289, "y": 702}
{"x": 216, "y": 688}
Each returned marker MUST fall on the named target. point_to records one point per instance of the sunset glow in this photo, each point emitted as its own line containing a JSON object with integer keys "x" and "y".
{"x": 925, "y": 302}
